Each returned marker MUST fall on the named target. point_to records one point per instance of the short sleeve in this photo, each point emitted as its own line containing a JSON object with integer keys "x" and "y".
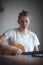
{"x": 36, "y": 40}
{"x": 8, "y": 34}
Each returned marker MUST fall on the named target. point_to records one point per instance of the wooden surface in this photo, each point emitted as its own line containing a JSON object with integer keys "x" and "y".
{"x": 20, "y": 60}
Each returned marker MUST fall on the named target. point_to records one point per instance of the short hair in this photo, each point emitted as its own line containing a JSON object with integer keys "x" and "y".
{"x": 23, "y": 13}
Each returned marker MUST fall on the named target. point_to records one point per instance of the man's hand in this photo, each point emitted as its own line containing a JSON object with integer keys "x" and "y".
{"x": 15, "y": 50}
{"x": 18, "y": 52}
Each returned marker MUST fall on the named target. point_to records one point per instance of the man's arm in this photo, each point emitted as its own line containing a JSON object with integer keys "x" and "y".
{"x": 37, "y": 48}
{"x": 11, "y": 48}
{"x": 2, "y": 38}
{"x": 2, "y": 45}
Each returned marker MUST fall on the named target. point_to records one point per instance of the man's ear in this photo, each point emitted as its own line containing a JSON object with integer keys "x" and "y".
{"x": 18, "y": 21}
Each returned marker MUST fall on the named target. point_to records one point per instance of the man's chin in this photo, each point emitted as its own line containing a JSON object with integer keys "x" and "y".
{"x": 24, "y": 27}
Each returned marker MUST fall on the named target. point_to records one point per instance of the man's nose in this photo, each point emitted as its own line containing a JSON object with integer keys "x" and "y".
{"x": 24, "y": 22}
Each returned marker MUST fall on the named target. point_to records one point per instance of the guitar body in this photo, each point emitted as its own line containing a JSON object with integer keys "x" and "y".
{"x": 21, "y": 47}
{"x": 9, "y": 52}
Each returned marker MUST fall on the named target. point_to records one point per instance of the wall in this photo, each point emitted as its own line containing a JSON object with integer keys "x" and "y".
{"x": 8, "y": 19}
{"x": 42, "y": 26}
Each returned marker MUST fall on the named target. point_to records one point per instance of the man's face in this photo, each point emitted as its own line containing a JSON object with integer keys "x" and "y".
{"x": 24, "y": 21}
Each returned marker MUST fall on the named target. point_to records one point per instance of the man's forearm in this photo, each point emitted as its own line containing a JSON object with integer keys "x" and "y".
{"x": 8, "y": 47}
{"x": 36, "y": 48}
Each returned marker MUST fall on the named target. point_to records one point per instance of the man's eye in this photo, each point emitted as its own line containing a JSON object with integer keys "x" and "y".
{"x": 22, "y": 21}
{"x": 26, "y": 21}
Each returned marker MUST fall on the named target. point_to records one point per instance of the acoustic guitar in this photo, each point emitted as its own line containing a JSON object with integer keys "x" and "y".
{"x": 9, "y": 52}
{"x": 21, "y": 47}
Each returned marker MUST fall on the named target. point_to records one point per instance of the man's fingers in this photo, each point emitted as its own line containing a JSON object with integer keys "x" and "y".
{"x": 19, "y": 52}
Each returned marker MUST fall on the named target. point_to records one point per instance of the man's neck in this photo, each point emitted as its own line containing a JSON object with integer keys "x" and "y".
{"x": 24, "y": 31}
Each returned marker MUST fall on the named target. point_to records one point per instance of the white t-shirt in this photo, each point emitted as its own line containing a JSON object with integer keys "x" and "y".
{"x": 29, "y": 41}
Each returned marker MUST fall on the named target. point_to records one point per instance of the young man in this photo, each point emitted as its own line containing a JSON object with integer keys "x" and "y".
{"x": 21, "y": 35}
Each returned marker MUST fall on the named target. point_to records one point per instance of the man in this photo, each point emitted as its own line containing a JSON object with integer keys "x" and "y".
{"x": 21, "y": 35}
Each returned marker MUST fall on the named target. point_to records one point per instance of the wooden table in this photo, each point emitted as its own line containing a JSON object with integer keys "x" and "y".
{"x": 20, "y": 60}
